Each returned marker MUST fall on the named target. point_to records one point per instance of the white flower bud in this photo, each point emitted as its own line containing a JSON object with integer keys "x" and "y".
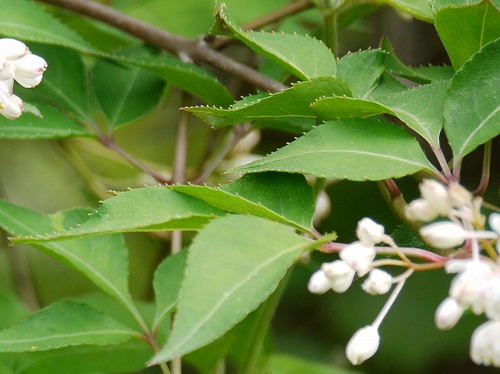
{"x": 29, "y": 70}
{"x": 494, "y": 222}
{"x": 436, "y": 195}
{"x": 485, "y": 344}
{"x": 443, "y": 234}
{"x": 363, "y": 345}
{"x": 340, "y": 275}
{"x": 358, "y": 256}
{"x": 11, "y": 106}
{"x": 420, "y": 210}
{"x": 458, "y": 195}
{"x": 369, "y": 232}
{"x": 12, "y": 49}
{"x": 8, "y": 71}
{"x": 246, "y": 143}
{"x": 319, "y": 283}
{"x": 448, "y": 313}
{"x": 491, "y": 298}
{"x": 469, "y": 285}
{"x": 378, "y": 282}
{"x": 322, "y": 207}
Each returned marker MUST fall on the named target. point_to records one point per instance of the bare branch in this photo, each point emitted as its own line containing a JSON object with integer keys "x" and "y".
{"x": 196, "y": 50}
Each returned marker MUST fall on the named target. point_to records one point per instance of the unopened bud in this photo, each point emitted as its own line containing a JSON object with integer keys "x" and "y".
{"x": 319, "y": 283}
{"x": 378, "y": 282}
{"x": 12, "y": 49}
{"x": 420, "y": 210}
{"x": 369, "y": 232}
{"x": 485, "y": 344}
{"x": 29, "y": 70}
{"x": 436, "y": 195}
{"x": 448, "y": 313}
{"x": 443, "y": 234}
{"x": 358, "y": 256}
{"x": 340, "y": 275}
{"x": 363, "y": 345}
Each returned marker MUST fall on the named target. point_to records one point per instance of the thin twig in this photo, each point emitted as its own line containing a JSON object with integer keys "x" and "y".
{"x": 188, "y": 49}
{"x": 268, "y": 19}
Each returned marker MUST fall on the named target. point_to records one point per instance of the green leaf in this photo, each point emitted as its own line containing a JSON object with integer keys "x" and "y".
{"x": 287, "y": 364}
{"x": 188, "y": 77}
{"x": 53, "y": 125}
{"x": 135, "y": 91}
{"x": 129, "y": 357}
{"x": 63, "y": 324}
{"x": 420, "y": 75}
{"x": 141, "y": 209}
{"x": 420, "y": 9}
{"x": 167, "y": 284}
{"x": 64, "y": 83}
{"x": 355, "y": 149}
{"x": 303, "y": 56}
{"x": 234, "y": 264}
{"x": 421, "y": 109}
{"x": 292, "y": 102}
{"x": 471, "y": 109}
{"x": 362, "y": 71}
{"x": 465, "y": 28}
{"x": 26, "y": 20}
{"x": 12, "y": 310}
{"x": 103, "y": 260}
{"x": 280, "y": 197}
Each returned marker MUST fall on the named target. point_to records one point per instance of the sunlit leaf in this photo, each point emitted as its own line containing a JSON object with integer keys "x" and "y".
{"x": 292, "y": 102}
{"x": 280, "y": 197}
{"x": 230, "y": 271}
{"x": 301, "y": 55}
{"x": 472, "y": 109}
{"x": 465, "y": 27}
{"x": 141, "y": 209}
{"x": 355, "y": 149}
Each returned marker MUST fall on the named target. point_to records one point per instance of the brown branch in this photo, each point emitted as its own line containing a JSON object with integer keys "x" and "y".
{"x": 195, "y": 50}
{"x": 268, "y": 19}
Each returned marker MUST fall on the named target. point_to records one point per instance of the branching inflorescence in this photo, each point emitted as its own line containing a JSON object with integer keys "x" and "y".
{"x": 458, "y": 225}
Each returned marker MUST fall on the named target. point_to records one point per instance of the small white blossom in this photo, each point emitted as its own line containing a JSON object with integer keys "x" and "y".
{"x": 358, "y": 256}
{"x": 340, "y": 275}
{"x": 443, "y": 234}
{"x": 363, "y": 345}
{"x": 436, "y": 195}
{"x": 494, "y": 222}
{"x": 378, "y": 282}
{"x": 19, "y": 64}
{"x": 29, "y": 70}
{"x": 459, "y": 196}
{"x": 369, "y": 232}
{"x": 11, "y": 106}
{"x": 448, "y": 313}
{"x": 420, "y": 210}
{"x": 492, "y": 298}
{"x": 322, "y": 207}
{"x": 12, "y": 49}
{"x": 485, "y": 344}
{"x": 469, "y": 285}
{"x": 319, "y": 283}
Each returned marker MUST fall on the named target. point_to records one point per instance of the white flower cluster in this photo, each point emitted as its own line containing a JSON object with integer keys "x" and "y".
{"x": 19, "y": 64}
{"x": 357, "y": 258}
{"x": 477, "y": 283}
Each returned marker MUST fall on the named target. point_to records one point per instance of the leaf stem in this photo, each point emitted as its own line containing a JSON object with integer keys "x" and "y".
{"x": 193, "y": 50}
{"x": 331, "y": 30}
{"x": 485, "y": 173}
{"x": 109, "y": 142}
